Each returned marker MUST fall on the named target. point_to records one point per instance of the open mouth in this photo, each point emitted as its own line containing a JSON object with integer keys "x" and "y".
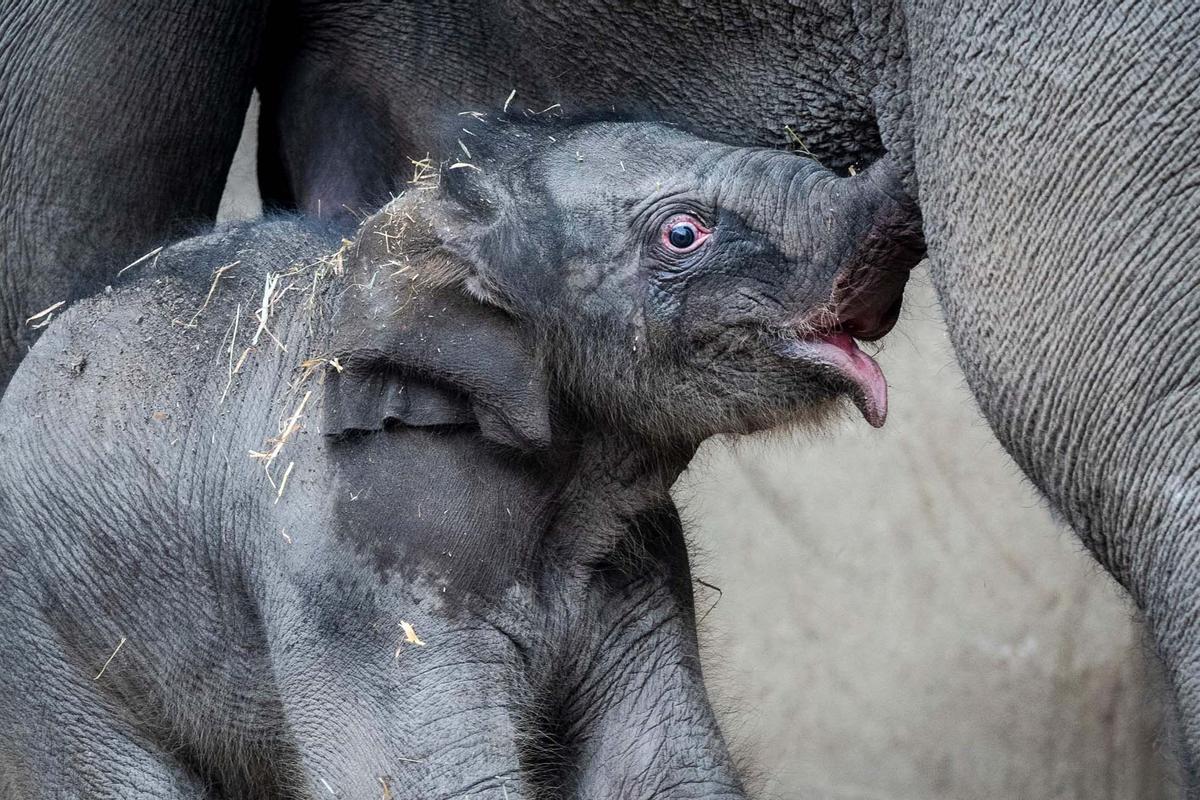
{"x": 841, "y": 352}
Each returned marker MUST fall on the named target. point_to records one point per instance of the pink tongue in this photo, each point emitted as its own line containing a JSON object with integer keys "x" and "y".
{"x": 842, "y": 352}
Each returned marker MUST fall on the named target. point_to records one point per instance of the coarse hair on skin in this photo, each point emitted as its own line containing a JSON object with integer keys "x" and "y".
{"x": 230, "y": 741}
{"x": 576, "y": 645}
{"x": 722, "y": 683}
{"x": 504, "y": 141}
{"x": 648, "y": 387}
{"x": 499, "y": 134}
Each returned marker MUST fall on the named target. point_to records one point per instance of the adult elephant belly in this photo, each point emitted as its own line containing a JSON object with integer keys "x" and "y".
{"x": 351, "y": 95}
{"x": 1056, "y": 162}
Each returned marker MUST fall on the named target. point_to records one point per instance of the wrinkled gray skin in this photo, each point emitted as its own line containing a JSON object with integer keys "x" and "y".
{"x": 484, "y": 399}
{"x": 1052, "y": 147}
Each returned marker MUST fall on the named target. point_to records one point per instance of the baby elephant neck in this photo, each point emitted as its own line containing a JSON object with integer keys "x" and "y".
{"x": 612, "y": 482}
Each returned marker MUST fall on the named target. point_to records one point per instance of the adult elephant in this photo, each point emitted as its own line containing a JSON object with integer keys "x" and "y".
{"x": 1052, "y": 147}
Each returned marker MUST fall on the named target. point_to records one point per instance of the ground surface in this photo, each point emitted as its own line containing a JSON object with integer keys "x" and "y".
{"x": 901, "y": 619}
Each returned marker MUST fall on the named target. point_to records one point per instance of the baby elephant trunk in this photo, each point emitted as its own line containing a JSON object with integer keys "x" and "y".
{"x": 884, "y": 242}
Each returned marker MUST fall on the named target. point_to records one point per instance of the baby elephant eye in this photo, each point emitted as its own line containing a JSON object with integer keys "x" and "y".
{"x": 683, "y": 233}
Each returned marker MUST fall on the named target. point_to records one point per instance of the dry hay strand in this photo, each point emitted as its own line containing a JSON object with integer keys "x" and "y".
{"x": 134, "y": 263}
{"x": 796, "y": 144}
{"x": 388, "y": 238}
{"x": 283, "y": 482}
{"x": 303, "y": 278}
{"x": 217, "y": 274}
{"x": 410, "y": 637}
{"x": 270, "y": 296}
{"x": 310, "y": 367}
{"x": 275, "y": 444}
{"x": 324, "y": 270}
{"x": 307, "y": 279}
{"x": 311, "y": 279}
{"x": 232, "y": 339}
{"x": 425, "y": 173}
{"x": 46, "y": 315}
{"x": 100, "y": 674}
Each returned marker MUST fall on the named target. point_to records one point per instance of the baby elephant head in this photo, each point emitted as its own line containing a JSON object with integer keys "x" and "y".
{"x": 675, "y": 287}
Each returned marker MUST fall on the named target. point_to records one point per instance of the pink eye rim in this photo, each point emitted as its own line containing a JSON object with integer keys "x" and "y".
{"x": 673, "y": 241}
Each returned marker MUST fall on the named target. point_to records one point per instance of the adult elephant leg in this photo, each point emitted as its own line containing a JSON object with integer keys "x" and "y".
{"x": 1055, "y": 153}
{"x": 118, "y": 122}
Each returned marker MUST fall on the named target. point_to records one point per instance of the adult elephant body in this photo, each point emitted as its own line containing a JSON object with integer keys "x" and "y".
{"x": 1052, "y": 147}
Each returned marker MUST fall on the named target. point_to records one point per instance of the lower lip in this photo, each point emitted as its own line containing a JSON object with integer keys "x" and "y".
{"x": 841, "y": 352}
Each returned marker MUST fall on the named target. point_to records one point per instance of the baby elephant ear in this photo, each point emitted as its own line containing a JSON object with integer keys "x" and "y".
{"x": 423, "y": 357}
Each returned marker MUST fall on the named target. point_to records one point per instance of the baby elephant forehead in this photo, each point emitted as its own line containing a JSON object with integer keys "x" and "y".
{"x": 604, "y": 167}
{"x": 768, "y": 191}
{"x": 753, "y": 182}
{"x": 757, "y": 179}
{"x": 627, "y": 154}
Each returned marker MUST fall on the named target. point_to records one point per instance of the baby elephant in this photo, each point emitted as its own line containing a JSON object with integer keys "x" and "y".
{"x": 296, "y": 516}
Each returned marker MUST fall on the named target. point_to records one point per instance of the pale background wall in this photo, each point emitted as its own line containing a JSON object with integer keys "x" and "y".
{"x": 901, "y": 618}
